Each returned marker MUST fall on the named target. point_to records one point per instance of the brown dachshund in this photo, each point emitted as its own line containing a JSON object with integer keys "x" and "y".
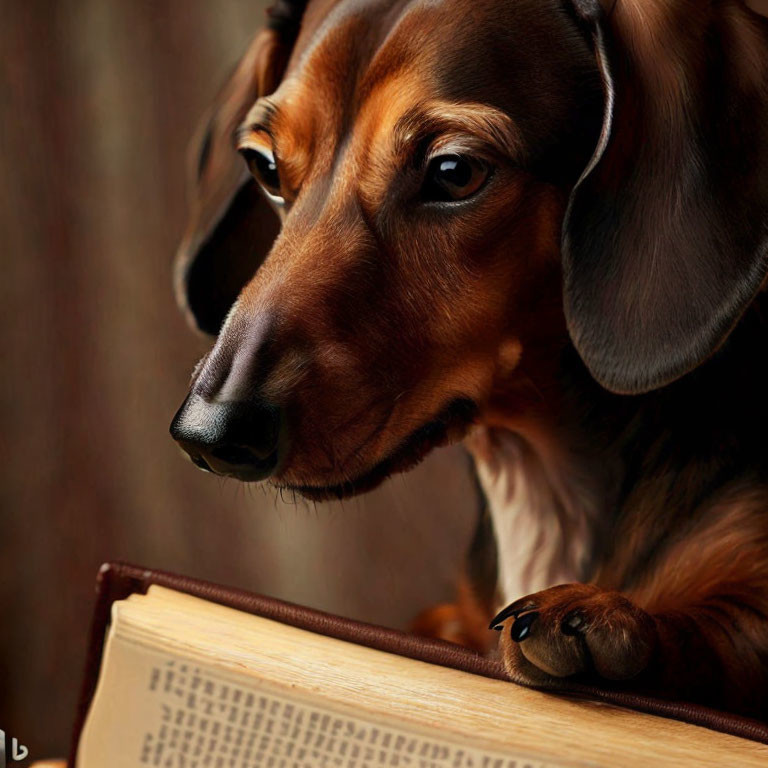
{"x": 540, "y": 226}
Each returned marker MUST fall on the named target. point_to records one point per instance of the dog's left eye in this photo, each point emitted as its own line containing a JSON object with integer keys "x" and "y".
{"x": 263, "y": 166}
{"x": 454, "y": 177}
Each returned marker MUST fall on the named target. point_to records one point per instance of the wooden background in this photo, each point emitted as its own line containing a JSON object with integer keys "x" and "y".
{"x": 97, "y": 101}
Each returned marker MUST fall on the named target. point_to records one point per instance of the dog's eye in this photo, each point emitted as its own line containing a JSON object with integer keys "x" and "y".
{"x": 263, "y": 166}
{"x": 454, "y": 177}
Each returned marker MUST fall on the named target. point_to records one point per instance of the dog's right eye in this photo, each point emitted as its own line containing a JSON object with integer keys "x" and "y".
{"x": 263, "y": 167}
{"x": 451, "y": 178}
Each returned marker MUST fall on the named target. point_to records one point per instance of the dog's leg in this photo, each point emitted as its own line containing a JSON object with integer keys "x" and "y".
{"x": 465, "y": 621}
{"x": 695, "y": 627}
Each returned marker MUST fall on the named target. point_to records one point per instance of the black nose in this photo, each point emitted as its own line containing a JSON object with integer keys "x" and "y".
{"x": 235, "y": 439}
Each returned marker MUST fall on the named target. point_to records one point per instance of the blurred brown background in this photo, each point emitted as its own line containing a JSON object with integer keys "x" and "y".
{"x": 97, "y": 101}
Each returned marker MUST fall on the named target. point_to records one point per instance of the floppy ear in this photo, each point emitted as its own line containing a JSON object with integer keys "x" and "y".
{"x": 665, "y": 240}
{"x": 231, "y": 226}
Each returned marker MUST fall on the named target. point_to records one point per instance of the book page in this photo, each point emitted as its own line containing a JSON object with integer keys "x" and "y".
{"x": 154, "y": 709}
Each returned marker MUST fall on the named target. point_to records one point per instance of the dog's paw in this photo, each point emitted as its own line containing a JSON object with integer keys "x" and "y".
{"x": 575, "y": 629}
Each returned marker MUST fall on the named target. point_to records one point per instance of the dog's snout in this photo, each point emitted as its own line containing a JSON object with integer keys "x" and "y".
{"x": 234, "y": 439}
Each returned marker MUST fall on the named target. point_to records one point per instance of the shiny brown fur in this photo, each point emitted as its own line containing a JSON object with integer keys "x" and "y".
{"x": 384, "y": 326}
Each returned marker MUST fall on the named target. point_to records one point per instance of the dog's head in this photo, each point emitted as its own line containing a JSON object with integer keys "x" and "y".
{"x": 404, "y": 210}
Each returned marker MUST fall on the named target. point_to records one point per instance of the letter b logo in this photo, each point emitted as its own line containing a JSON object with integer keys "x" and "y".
{"x": 17, "y": 751}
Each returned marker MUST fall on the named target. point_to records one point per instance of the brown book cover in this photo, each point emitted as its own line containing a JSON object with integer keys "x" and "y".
{"x": 116, "y": 581}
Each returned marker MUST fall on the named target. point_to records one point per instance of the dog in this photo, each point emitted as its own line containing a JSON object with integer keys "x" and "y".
{"x": 537, "y": 226}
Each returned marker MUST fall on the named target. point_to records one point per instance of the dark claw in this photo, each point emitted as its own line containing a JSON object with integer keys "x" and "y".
{"x": 522, "y": 626}
{"x": 573, "y": 624}
{"x": 511, "y": 610}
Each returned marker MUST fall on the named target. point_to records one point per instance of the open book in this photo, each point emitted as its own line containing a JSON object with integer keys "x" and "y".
{"x": 188, "y": 682}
